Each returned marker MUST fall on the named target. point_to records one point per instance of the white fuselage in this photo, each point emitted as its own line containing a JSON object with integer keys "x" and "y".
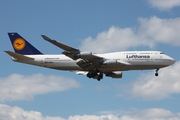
{"x": 137, "y": 60}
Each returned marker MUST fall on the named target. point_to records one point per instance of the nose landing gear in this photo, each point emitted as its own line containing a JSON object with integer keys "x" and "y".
{"x": 156, "y": 74}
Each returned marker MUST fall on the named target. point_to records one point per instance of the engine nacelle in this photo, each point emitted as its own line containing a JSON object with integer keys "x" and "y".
{"x": 110, "y": 62}
{"x": 117, "y": 74}
{"x": 84, "y": 54}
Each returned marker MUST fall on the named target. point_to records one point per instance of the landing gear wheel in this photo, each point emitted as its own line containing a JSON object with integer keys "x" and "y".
{"x": 100, "y": 76}
{"x": 98, "y": 79}
{"x": 156, "y": 74}
{"x": 95, "y": 74}
{"x": 89, "y": 75}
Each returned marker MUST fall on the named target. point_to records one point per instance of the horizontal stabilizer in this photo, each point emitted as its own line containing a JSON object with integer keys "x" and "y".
{"x": 60, "y": 45}
{"x": 18, "y": 56}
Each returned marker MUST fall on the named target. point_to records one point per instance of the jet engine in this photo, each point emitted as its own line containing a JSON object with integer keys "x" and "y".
{"x": 116, "y": 74}
{"x": 84, "y": 54}
{"x": 110, "y": 62}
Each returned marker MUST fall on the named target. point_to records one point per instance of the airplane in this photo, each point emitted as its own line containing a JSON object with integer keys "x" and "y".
{"x": 92, "y": 65}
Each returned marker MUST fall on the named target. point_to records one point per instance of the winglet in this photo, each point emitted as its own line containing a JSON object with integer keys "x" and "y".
{"x": 18, "y": 56}
{"x": 46, "y": 38}
{"x": 60, "y": 45}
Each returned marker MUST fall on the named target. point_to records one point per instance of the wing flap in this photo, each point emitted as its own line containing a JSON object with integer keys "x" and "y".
{"x": 86, "y": 65}
{"x": 18, "y": 56}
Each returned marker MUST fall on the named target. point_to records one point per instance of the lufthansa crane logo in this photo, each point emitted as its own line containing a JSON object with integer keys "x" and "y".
{"x": 19, "y": 44}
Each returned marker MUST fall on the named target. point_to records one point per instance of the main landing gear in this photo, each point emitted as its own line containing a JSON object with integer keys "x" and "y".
{"x": 95, "y": 74}
{"x": 156, "y": 74}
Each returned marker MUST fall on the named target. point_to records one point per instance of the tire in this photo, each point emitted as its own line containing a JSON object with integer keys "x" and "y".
{"x": 156, "y": 74}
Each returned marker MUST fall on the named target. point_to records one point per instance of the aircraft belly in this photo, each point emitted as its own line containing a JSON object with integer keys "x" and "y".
{"x": 71, "y": 65}
{"x": 113, "y": 68}
{"x": 145, "y": 67}
{"x": 63, "y": 65}
{"x": 131, "y": 67}
{"x": 67, "y": 65}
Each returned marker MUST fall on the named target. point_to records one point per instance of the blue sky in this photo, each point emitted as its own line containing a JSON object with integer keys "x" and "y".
{"x": 30, "y": 92}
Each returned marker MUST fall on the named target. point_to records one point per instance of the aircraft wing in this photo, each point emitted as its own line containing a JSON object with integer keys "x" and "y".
{"x": 18, "y": 56}
{"x": 86, "y": 60}
{"x": 70, "y": 51}
{"x": 61, "y": 45}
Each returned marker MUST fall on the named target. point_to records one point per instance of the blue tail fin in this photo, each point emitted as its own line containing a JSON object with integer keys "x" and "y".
{"x": 22, "y": 46}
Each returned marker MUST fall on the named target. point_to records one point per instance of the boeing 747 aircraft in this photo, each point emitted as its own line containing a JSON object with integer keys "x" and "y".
{"x": 87, "y": 63}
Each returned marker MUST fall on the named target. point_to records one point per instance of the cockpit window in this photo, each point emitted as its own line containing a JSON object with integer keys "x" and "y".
{"x": 161, "y": 53}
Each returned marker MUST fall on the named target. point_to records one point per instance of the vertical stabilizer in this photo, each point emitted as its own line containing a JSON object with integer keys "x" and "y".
{"x": 22, "y": 46}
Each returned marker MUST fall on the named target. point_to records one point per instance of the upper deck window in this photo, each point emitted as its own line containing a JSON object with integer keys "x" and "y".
{"x": 130, "y": 53}
{"x": 144, "y": 53}
{"x": 161, "y": 53}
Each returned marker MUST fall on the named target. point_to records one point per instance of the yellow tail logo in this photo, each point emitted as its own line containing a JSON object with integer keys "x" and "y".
{"x": 19, "y": 44}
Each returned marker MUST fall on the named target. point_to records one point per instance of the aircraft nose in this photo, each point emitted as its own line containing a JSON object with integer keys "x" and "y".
{"x": 172, "y": 61}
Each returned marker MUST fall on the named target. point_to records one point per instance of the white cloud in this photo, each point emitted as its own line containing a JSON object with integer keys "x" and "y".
{"x": 94, "y": 117}
{"x": 21, "y": 87}
{"x": 17, "y": 113}
{"x": 164, "y": 4}
{"x": 151, "y": 114}
{"x": 160, "y": 30}
{"x": 149, "y": 87}
{"x": 149, "y": 33}
{"x": 112, "y": 40}
{"x": 146, "y": 114}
